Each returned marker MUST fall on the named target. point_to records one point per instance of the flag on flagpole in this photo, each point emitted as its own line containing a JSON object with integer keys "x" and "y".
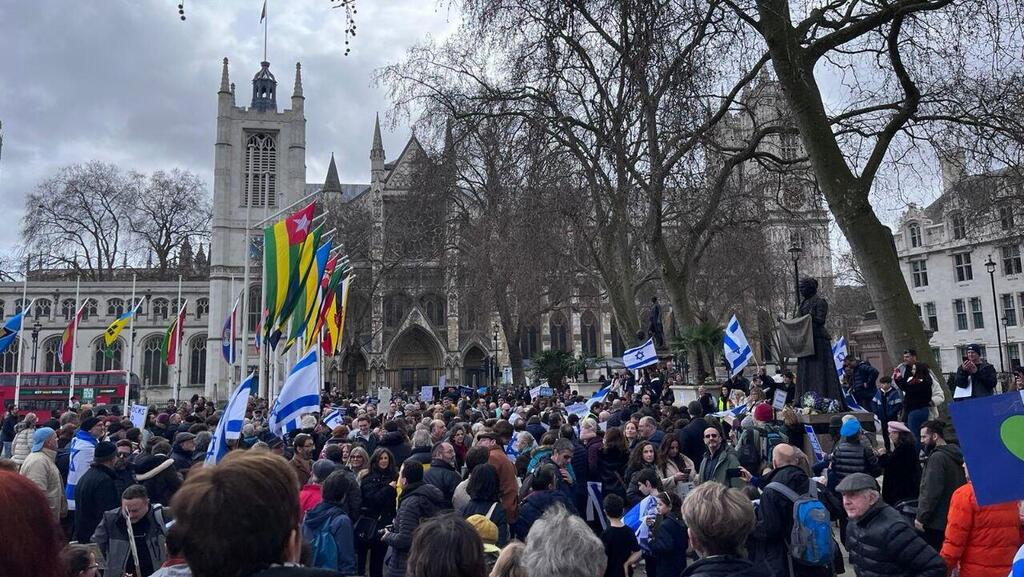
{"x": 346, "y": 288}
{"x": 282, "y": 243}
{"x": 172, "y": 338}
{"x": 11, "y": 328}
{"x": 309, "y": 292}
{"x": 598, "y": 397}
{"x": 67, "y": 340}
{"x": 229, "y": 335}
{"x": 230, "y": 425}
{"x": 839, "y": 355}
{"x": 263, "y": 14}
{"x": 299, "y": 396}
{"x": 328, "y": 298}
{"x": 737, "y": 349}
{"x": 642, "y": 356}
{"x": 258, "y": 336}
{"x": 114, "y": 330}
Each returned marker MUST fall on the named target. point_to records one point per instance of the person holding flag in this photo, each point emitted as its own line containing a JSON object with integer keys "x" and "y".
{"x": 736, "y": 347}
{"x": 230, "y": 425}
{"x": 299, "y": 396}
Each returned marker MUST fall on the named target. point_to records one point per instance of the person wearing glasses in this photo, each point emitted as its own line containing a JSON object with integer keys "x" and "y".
{"x": 720, "y": 463}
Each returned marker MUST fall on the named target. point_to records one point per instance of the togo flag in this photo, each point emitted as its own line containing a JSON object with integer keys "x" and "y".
{"x": 230, "y": 425}
{"x": 640, "y": 357}
{"x": 736, "y": 348}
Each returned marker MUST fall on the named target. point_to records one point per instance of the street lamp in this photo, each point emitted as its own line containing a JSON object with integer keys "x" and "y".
{"x": 35, "y": 343}
{"x": 494, "y": 364}
{"x": 794, "y": 252}
{"x": 990, "y": 266}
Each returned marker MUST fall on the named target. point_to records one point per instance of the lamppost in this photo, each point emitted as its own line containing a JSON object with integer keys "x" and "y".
{"x": 794, "y": 252}
{"x": 494, "y": 363}
{"x": 990, "y": 266}
{"x": 35, "y": 343}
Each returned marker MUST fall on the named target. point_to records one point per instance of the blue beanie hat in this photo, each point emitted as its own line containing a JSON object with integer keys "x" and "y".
{"x": 850, "y": 428}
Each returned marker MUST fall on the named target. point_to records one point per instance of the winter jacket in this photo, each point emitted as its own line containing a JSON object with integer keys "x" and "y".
{"x": 981, "y": 541}
{"x": 611, "y": 470}
{"x": 593, "y": 448}
{"x": 443, "y": 476}
{"x": 159, "y": 476}
{"x": 22, "y": 444}
{"x": 982, "y": 382}
{"x": 724, "y": 460}
{"x": 902, "y": 478}
{"x": 340, "y": 528}
{"x": 481, "y": 507}
{"x": 40, "y": 468}
{"x": 916, "y": 385}
{"x": 656, "y": 438}
{"x": 534, "y": 505}
{"x": 943, "y": 474}
{"x": 111, "y": 536}
{"x": 95, "y": 494}
{"x": 775, "y": 516}
{"x": 310, "y": 496}
{"x": 507, "y": 482}
{"x": 182, "y": 459}
{"x": 395, "y": 442}
{"x": 882, "y": 544}
{"x": 378, "y": 497}
{"x": 852, "y": 456}
{"x": 888, "y": 405}
{"x": 633, "y": 494}
{"x": 691, "y": 439}
{"x": 419, "y": 501}
{"x": 863, "y": 382}
{"x": 724, "y": 566}
{"x": 422, "y": 456}
{"x": 668, "y": 544}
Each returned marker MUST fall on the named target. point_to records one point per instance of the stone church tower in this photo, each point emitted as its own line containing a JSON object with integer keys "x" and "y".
{"x": 259, "y": 168}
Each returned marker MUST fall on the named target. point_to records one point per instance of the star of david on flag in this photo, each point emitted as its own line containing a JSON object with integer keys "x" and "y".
{"x": 642, "y": 356}
{"x": 736, "y": 348}
{"x": 839, "y": 355}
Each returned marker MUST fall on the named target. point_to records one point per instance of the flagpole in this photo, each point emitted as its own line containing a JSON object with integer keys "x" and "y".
{"x": 245, "y": 269}
{"x": 231, "y": 348}
{"x": 21, "y": 330}
{"x": 74, "y": 342}
{"x": 269, "y": 217}
{"x": 264, "y": 368}
{"x": 178, "y": 328}
{"x": 131, "y": 351}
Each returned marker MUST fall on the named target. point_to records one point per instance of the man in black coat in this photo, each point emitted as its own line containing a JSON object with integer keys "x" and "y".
{"x": 879, "y": 540}
{"x": 691, "y": 437}
{"x": 442, "y": 472}
{"x": 96, "y": 492}
{"x": 975, "y": 377}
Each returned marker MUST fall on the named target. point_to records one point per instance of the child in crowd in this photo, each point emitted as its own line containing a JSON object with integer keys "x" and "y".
{"x": 620, "y": 544}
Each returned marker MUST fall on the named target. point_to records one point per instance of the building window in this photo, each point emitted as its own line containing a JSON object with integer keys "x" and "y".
{"x": 394, "y": 310}
{"x": 1009, "y": 310}
{"x": 919, "y": 273}
{"x": 1011, "y": 259}
{"x": 154, "y": 370}
{"x": 67, "y": 309}
{"x": 529, "y": 342}
{"x": 51, "y": 360}
{"x": 197, "y": 361}
{"x": 976, "y": 313}
{"x": 915, "y": 235}
{"x": 960, "y": 313}
{"x": 959, "y": 227}
{"x": 260, "y": 171}
{"x": 559, "y": 333}
{"x": 90, "y": 309}
{"x": 202, "y": 307}
{"x": 1006, "y": 217}
{"x": 9, "y": 358}
{"x": 1013, "y": 355}
{"x": 161, "y": 309}
{"x": 962, "y": 267}
{"x": 588, "y": 328}
{"x": 938, "y": 358}
{"x": 115, "y": 307}
{"x": 433, "y": 306}
{"x": 790, "y": 146}
{"x": 931, "y": 316}
{"x": 41, "y": 308}
{"x": 104, "y": 359}
{"x": 255, "y": 295}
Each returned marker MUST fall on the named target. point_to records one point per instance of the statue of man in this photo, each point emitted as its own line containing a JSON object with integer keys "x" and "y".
{"x": 818, "y": 371}
{"x": 654, "y": 327}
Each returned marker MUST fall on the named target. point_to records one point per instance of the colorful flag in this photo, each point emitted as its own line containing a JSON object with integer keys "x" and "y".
{"x": 991, "y": 434}
{"x": 229, "y": 334}
{"x": 172, "y": 338}
{"x": 258, "y": 337}
{"x": 11, "y": 328}
{"x": 307, "y": 301}
{"x": 281, "y": 247}
{"x": 114, "y": 330}
{"x": 67, "y": 340}
{"x": 327, "y": 298}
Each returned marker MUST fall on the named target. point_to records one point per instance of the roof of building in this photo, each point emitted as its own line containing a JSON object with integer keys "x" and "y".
{"x": 349, "y": 191}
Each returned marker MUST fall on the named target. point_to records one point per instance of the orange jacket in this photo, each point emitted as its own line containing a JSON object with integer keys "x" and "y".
{"x": 980, "y": 540}
{"x": 507, "y": 482}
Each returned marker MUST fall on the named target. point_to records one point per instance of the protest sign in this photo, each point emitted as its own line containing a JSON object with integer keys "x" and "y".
{"x": 138, "y": 416}
{"x": 991, "y": 433}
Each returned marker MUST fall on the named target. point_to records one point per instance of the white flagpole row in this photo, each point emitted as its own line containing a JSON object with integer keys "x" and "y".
{"x": 131, "y": 351}
{"x": 74, "y": 341}
{"x": 180, "y": 330}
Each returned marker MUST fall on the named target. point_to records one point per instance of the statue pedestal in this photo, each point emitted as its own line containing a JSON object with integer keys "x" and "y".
{"x": 820, "y": 423}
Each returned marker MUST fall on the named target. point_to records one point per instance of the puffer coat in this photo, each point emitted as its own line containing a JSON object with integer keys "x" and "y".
{"x": 882, "y": 544}
{"x": 981, "y": 541}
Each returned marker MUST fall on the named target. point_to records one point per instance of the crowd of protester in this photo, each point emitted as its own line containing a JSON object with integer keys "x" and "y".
{"x": 503, "y": 485}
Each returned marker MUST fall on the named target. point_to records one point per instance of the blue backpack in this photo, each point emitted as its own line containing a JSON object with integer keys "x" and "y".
{"x": 324, "y": 549}
{"x": 810, "y": 541}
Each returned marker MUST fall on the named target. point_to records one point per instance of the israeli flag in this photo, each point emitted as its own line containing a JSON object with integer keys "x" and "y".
{"x": 733, "y": 412}
{"x": 636, "y": 519}
{"x": 736, "y": 347}
{"x": 335, "y": 418}
{"x": 299, "y": 396}
{"x": 839, "y": 354}
{"x": 640, "y": 357}
{"x": 230, "y": 425}
{"x": 598, "y": 397}
{"x": 82, "y": 449}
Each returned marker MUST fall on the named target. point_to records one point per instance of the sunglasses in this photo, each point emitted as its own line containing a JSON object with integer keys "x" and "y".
{"x": 710, "y": 436}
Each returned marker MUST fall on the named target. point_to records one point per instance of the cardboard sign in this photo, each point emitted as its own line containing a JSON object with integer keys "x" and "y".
{"x": 384, "y": 395}
{"x": 779, "y": 402}
{"x": 427, "y": 393}
{"x": 138, "y": 416}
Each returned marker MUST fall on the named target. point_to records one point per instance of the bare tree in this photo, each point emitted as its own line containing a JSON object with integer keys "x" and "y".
{"x": 171, "y": 209}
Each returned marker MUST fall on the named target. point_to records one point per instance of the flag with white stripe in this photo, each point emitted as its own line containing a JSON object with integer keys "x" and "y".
{"x": 598, "y": 397}
{"x": 299, "y": 396}
{"x": 335, "y": 418}
{"x": 640, "y": 357}
{"x": 230, "y": 425}
{"x": 736, "y": 348}
{"x": 839, "y": 355}
{"x": 82, "y": 450}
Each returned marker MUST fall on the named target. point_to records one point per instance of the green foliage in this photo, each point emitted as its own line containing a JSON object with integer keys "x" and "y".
{"x": 554, "y": 366}
{"x": 704, "y": 342}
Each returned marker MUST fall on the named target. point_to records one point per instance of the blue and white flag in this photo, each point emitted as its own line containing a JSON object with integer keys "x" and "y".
{"x": 636, "y": 519}
{"x": 598, "y": 397}
{"x": 858, "y": 408}
{"x": 229, "y": 335}
{"x": 733, "y": 412}
{"x": 839, "y": 355}
{"x": 12, "y": 327}
{"x": 82, "y": 449}
{"x": 335, "y": 418}
{"x": 1017, "y": 569}
{"x": 736, "y": 348}
{"x": 595, "y": 511}
{"x": 640, "y": 357}
{"x": 299, "y": 396}
{"x": 230, "y": 425}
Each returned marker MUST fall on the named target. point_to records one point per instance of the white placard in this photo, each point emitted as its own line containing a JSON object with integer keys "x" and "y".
{"x": 579, "y": 409}
{"x": 427, "y": 393}
{"x": 779, "y": 402}
{"x": 138, "y": 416}
{"x": 383, "y": 396}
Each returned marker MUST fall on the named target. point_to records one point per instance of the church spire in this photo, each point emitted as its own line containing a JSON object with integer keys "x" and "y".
{"x": 377, "y": 150}
{"x": 332, "y": 183}
{"x": 297, "y": 91}
{"x": 225, "y": 85}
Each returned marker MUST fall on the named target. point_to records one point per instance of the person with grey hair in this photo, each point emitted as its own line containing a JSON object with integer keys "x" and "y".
{"x": 422, "y": 447}
{"x": 442, "y": 473}
{"x": 561, "y": 544}
{"x": 648, "y": 429}
{"x": 22, "y": 444}
{"x": 880, "y": 541}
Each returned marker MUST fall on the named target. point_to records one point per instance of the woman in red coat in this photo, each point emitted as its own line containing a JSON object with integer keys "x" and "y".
{"x": 981, "y": 541}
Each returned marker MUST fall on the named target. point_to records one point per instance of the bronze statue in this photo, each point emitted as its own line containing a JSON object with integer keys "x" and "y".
{"x": 817, "y": 372}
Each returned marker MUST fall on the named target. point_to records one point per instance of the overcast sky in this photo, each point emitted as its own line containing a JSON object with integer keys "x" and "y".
{"x": 126, "y": 81}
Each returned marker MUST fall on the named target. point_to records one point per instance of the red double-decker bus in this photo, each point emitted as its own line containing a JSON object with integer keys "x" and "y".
{"x": 49, "y": 391}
